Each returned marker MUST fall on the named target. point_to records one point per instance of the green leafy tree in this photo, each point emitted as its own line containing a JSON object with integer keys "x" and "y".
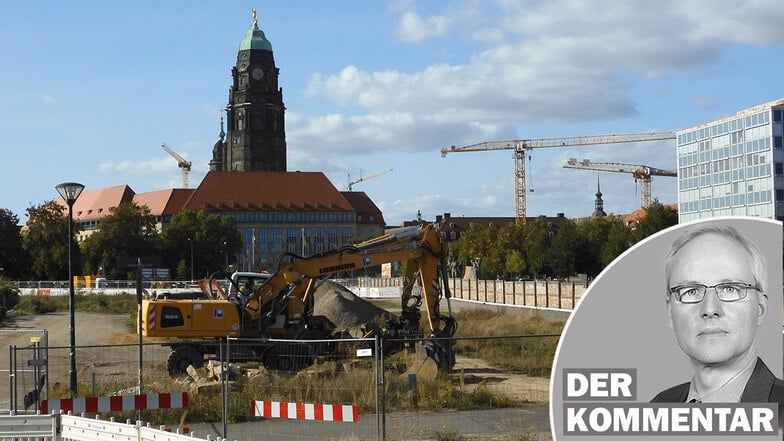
{"x": 619, "y": 239}
{"x": 13, "y": 260}
{"x": 46, "y": 242}
{"x": 128, "y": 230}
{"x": 565, "y": 247}
{"x": 537, "y": 241}
{"x": 515, "y": 263}
{"x": 656, "y": 218}
{"x": 213, "y": 238}
{"x": 605, "y": 238}
{"x": 473, "y": 244}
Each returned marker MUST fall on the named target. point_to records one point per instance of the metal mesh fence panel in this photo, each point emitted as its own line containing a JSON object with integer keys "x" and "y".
{"x": 19, "y": 376}
{"x": 497, "y": 388}
{"x": 495, "y": 391}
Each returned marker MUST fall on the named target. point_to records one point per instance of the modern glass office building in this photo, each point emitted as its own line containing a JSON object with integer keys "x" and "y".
{"x": 733, "y": 166}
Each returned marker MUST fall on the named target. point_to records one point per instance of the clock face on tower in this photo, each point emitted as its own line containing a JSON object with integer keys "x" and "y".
{"x": 257, "y": 73}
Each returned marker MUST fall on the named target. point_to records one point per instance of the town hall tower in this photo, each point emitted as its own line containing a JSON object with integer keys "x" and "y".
{"x": 256, "y": 136}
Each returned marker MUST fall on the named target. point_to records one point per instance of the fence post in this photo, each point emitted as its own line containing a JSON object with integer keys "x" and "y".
{"x": 224, "y": 386}
{"x": 11, "y": 373}
{"x": 546, "y": 294}
{"x": 573, "y": 305}
{"x": 559, "y": 295}
{"x": 378, "y": 355}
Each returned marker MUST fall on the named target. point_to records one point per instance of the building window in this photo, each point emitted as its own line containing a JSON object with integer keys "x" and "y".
{"x": 777, "y": 142}
{"x": 777, "y": 115}
{"x": 277, "y": 238}
{"x": 263, "y": 240}
{"x": 780, "y": 168}
{"x": 779, "y": 195}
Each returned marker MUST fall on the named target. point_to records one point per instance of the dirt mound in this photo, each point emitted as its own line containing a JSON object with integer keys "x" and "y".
{"x": 346, "y": 309}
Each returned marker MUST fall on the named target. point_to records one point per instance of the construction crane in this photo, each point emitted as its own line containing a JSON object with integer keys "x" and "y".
{"x": 522, "y": 146}
{"x": 181, "y": 162}
{"x": 642, "y": 173}
{"x": 366, "y": 178}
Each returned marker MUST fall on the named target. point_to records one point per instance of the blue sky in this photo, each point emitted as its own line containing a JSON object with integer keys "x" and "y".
{"x": 90, "y": 89}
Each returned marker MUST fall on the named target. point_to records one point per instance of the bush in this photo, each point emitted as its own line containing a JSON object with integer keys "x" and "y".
{"x": 118, "y": 304}
{"x": 9, "y": 296}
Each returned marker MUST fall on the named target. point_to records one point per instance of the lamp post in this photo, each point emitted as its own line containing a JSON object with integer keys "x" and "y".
{"x": 70, "y": 191}
{"x": 226, "y": 255}
{"x": 191, "y": 241}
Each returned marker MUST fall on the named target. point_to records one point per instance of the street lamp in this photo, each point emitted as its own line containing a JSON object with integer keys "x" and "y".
{"x": 191, "y": 241}
{"x": 70, "y": 191}
{"x": 226, "y": 255}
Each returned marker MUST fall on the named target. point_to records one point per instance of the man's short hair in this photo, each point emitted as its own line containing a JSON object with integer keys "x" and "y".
{"x": 758, "y": 266}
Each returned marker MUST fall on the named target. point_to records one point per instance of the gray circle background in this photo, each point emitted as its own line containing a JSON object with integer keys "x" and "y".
{"x": 621, "y": 321}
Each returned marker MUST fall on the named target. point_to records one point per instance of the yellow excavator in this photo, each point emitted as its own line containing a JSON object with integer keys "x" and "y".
{"x": 280, "y": 307}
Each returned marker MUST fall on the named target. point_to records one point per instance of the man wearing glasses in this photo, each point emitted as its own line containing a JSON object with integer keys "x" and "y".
{"x": 716, "y": 299}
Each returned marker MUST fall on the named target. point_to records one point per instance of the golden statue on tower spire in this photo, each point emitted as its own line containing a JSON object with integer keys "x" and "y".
{"x": 255, "y": 18}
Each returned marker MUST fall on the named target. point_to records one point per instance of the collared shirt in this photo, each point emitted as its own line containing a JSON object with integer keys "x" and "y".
{"x": 729, "y": 392}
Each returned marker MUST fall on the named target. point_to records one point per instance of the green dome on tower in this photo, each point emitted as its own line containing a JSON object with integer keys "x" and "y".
{"x": 255, "y": 38}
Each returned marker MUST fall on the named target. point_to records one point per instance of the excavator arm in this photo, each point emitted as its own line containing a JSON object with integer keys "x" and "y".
{"x": 422, "y": 248}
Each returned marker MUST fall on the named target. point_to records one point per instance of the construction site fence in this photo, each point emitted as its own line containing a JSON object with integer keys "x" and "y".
{"x": 491, "y": 393}
{"x": 552, "y": 294}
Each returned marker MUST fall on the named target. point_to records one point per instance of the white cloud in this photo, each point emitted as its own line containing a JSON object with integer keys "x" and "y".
{"x": 413, "y": 28}
{"x": 48, "y": 99}
{"x": 559, "y": 62}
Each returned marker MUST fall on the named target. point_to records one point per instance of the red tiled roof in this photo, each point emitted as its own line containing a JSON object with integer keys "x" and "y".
{"x": 95, "y": 204}
{"x": 635, "y": 216}
{"x": 364, "y": 205}
{"x": 164, "y": 202}
{"x": 267, "y": 191}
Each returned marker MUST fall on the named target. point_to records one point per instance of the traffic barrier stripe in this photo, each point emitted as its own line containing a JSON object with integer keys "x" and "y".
{"x": 116, "y": 403}
{"x": 151, "y": 317}
{"x": 306, "y": 411}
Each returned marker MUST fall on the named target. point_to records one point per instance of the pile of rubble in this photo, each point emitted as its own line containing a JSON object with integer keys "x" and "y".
{"x": 347, "y": 310}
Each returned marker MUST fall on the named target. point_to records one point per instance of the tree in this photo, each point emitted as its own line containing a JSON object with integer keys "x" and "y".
{"x": 656, "y": 217}
{"x": 12, "y": 256}
{"x": 537, "y": 240}
{"x": 515, "y": 263}
{"x": 46, "y": 242}
{"x": 564, "y": 249}
{"x": 474, "y": 243}
{"x": 129, "y": 231}
{"x": 619, "y": 239}
{"x": 606, "y": 238}
{"x": 208, "y": 233}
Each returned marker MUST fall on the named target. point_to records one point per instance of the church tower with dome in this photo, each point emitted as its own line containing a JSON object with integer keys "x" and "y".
{"x": 255, "y": 137}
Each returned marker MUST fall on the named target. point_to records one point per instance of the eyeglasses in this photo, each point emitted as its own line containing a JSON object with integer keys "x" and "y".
{"x": 726, "y": 292}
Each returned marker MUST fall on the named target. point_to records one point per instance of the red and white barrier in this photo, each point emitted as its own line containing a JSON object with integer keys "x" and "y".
{"x": 151, "y": 317}
{"x": 306, "y": 411}
{"x": 116, "y": 403}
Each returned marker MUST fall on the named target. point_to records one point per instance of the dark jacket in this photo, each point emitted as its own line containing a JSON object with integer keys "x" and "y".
{"x": 762, "y": 387}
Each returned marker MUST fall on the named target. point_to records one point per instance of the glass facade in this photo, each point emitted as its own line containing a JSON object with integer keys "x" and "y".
{"x": 734, "y": 166}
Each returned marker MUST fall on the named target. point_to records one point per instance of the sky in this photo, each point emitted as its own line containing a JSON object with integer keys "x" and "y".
{"x": 90, "y": 89}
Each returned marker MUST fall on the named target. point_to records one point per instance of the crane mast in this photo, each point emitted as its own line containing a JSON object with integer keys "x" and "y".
{"x": 522, "y": 146}
{"x": 184, "y": 164}
{"x": 642, "y": 173}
